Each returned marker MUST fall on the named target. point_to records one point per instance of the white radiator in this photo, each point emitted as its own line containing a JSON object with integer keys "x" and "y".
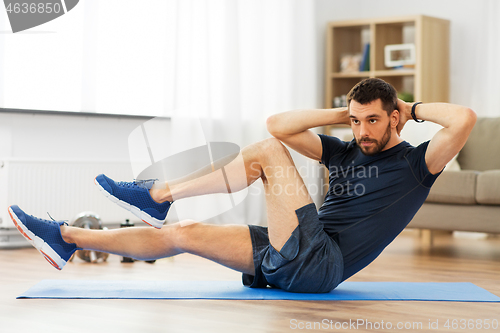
{"x": 62, "y": 188}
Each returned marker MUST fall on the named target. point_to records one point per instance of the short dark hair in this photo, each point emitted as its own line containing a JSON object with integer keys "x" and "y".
{"x": 371, "y": 89}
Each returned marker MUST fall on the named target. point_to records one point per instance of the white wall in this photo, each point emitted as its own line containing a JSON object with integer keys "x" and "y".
{"x": 72, "y": 137}
{"x": 475, "y": 35}
{"x": 65, "y": 152}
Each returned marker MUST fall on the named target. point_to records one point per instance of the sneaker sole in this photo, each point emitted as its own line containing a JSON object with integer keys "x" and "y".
{"x": 48, "y": 253}
{"x": 145, "y": 217}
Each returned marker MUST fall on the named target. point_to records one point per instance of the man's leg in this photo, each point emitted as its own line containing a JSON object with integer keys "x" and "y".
{"x": 229, "y": 245}
{"x": 268, "y": 160}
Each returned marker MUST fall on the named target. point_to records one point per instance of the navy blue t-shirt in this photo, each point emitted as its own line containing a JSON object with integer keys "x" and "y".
{"x": 371, "y": 199}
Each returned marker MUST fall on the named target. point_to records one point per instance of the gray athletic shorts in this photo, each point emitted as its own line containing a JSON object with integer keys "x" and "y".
{"x": 309, "y": 262}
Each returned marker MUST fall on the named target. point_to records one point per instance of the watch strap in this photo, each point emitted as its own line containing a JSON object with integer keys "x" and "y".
{"x": 413, "y": 113}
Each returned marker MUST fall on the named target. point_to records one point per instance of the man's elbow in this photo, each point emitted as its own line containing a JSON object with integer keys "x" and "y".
{"x": 469, "y": 118}
{"x": 272, "y": 125}
{"x": 464, "y": 121}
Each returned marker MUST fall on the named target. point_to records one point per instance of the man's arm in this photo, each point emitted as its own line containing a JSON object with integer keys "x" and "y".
{"x": 457, "y": 122}
{"x": 293, "y": 128}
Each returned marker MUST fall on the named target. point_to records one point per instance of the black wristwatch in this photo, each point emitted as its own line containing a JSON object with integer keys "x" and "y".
{"x": 413, "y": 113}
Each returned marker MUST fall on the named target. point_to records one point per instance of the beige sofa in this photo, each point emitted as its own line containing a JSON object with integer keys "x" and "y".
{"x": 469, "y": 199}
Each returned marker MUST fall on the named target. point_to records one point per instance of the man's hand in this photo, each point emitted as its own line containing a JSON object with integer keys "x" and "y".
{"x": 344, "y": 118}
{"x": 404, "y": 114}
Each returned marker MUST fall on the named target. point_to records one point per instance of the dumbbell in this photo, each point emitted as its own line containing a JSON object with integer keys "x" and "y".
{"x": 89, "y": 220}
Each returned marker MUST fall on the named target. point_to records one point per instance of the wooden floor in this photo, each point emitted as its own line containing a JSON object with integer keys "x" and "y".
{"x": 450, "y": 260}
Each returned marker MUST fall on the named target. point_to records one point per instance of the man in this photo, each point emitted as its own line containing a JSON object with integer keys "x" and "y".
{"x": 377, "y": 184}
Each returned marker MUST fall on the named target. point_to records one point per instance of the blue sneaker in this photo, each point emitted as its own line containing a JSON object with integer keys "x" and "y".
{"x": 45, "y": 236}
{"x": 134, "y": 197}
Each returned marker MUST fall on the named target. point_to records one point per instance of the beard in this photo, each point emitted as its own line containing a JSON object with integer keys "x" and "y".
{"x": 377, "y": 146}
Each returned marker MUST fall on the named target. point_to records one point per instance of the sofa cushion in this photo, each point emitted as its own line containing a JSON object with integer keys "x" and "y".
{"x": 481, "y": 150}
{"x": 454, "y": 187}
{"x": 478, "y": 218}
{"x": 488, "y": 187}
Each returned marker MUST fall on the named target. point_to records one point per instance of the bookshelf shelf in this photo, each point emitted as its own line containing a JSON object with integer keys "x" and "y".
{"x": 394, "y": 72}
{"x": 390, "y": 72}
{"x": 350, "y": 75}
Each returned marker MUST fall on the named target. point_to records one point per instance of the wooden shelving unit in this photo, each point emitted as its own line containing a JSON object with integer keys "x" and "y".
{"x": 428, "y": 80}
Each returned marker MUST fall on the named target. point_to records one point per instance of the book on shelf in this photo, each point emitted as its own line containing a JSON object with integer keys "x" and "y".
{"x": 365, "y": 61}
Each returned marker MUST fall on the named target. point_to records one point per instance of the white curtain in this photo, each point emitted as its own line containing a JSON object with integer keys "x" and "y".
{"x": 231, "y": 65}
{"x": 485, "y": 66}
{"x": 228, "y": 65}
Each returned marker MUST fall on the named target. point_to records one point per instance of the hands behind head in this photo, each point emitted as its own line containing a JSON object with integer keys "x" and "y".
{"x": 404, "y": 114}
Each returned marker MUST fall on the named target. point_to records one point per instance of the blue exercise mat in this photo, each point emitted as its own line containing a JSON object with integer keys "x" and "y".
{"x": 347, "y": 291}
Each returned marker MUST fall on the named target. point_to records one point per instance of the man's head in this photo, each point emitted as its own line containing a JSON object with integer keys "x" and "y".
{"x": 374, "y": 115}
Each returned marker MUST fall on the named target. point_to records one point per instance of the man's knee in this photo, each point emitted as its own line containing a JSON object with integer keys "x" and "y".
{"x": 182, "y": 234}
{"x": 272, "y": 147}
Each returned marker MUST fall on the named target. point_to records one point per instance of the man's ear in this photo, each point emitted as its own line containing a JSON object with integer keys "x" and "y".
{"x": 394, "y": 118}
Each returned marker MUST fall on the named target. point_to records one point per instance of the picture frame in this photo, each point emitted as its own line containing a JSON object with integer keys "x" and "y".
{"x": 397, "y": 55}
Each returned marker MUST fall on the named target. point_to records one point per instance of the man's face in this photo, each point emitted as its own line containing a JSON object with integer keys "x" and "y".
{"x": 371, "y": 126}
